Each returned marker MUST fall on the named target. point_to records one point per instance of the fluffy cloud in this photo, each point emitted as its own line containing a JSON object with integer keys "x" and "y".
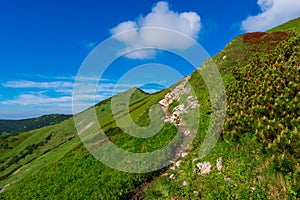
{"x": 138, "y": 34}
{"x": 274, "y": 13}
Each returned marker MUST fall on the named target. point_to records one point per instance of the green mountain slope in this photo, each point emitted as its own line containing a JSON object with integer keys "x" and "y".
{"x": 292, "y": 25}
{"x": 259, "y": 145}
{"x": 53, "y": 155}
{"x": 8, "y": 127}
{"x": 260, "y": 142}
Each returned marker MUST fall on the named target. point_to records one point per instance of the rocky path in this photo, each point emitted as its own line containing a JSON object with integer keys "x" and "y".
{"x": 174, "y": 118}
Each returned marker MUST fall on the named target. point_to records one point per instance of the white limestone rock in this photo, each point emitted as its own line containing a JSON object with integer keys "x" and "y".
{"x": 172, "y": 177}
{"x": 184, "y": 154}
{"x": 204, "y": 167}
{"x": 184, "y": 183}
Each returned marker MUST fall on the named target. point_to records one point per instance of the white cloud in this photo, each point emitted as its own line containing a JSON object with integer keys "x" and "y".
{"x": 64, "y": 90}
{"x": 40, "y": 85}
{"x": 72, "y": 78}
{"x": 137, "y": 34}
{"x": 274, "y": 13}
{"x": 38, "y": 99}
{"x": 56, "y": 101}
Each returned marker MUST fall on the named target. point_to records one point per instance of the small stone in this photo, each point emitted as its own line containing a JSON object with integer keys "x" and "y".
{"x": 227, "y": 179}
{"x": 194, "y": 104}
{"x": 177, "y": 164}
{"x": 219, "y": 164}
{"x": 184, "y": 154}
{"x": 205, "y": 167}
{"x": 174, "y": 198}
{"x": 252, "y": 189}
{"x": 172, "y": 177}
{"x": 187, "y": 132}
{"x": 184, "y": 183}
{"x": 258, "y": 178}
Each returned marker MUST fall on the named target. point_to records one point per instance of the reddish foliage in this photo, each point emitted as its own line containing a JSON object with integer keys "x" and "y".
{"x": 271, "y": 39}
{"x": 253, "y": 37}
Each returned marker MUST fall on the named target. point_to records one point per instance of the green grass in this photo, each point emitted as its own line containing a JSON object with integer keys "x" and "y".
{"x": 173, "y": 105}
{"x": 69, "y": 162}
{"x": 260, "y": 163}
{"x": 238, "y": 166}
{"x": 253, "y": 170}
{"x": 28, "y": 146}
{"x": 292, "y": 25}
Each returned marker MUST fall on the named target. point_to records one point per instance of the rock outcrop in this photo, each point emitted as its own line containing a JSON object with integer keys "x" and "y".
{"x": 175, "y": 95}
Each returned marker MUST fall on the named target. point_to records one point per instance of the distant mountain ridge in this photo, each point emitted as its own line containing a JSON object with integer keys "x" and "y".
{"x": 8, "y": 127}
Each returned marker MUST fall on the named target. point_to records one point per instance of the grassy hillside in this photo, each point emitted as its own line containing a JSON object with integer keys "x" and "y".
{"x": 8, "y": 127}
{"x": 292, "y": 25}
{"x": 259, "y": 144}
{"x": 42, "y": 163}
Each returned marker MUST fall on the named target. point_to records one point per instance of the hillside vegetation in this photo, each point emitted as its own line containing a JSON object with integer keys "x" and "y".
{"x": 292, "y": 25}
{"x": 259, "y": 144}
{"x": 8, "y": 127}
{"x": 44, "y": 163}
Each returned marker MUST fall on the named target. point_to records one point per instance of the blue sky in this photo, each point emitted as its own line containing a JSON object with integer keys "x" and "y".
{"x": 43, "y": 43}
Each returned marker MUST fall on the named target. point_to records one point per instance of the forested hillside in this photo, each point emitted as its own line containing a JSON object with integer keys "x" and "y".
{"x": 8, "y": 127}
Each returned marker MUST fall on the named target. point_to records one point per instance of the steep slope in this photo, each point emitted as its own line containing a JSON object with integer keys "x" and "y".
{"x": 8, "y": 127}
{"x": 260, "y": 154}
{"x": 260, "y": 143}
